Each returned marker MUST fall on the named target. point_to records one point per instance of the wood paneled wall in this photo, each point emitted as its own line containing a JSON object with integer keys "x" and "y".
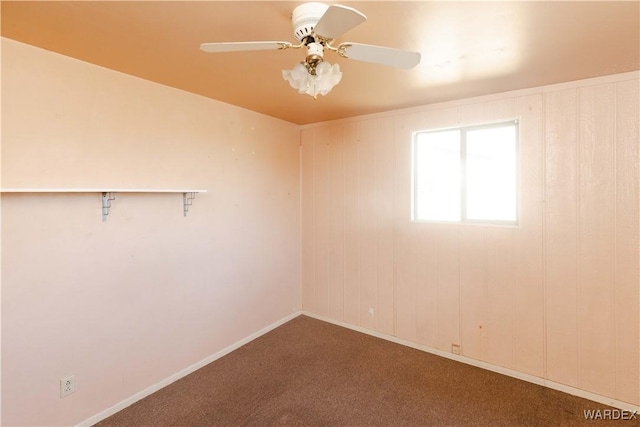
{"x": 556, "y": 297}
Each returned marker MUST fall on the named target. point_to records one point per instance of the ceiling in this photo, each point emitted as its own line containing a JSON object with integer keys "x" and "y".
{"x": 468, "y": 48}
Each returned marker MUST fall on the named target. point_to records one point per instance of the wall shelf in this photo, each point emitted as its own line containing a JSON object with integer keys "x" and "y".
{"x": 109, "y": 194}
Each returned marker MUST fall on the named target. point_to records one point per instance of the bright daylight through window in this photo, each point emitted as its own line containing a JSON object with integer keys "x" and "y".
{"x": 467, "y": 174}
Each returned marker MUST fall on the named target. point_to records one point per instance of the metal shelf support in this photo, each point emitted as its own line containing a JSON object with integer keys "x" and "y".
{"x": 187, "y": 200}
{"x": 107, "y": 197}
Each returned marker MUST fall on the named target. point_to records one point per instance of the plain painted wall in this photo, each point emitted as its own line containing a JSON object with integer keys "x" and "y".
{"x": 126, "y": 303}
{"x": 557, "y": 297}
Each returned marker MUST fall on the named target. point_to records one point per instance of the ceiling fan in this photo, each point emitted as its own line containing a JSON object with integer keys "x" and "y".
{"x": 316, "y": 26}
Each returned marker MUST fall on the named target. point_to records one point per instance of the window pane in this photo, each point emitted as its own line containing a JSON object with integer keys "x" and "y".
{"x": 437, "y": 176}
{"x": 491, "y": 174}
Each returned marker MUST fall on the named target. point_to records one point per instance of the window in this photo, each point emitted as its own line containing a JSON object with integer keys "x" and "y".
{"x": 467, "y": 174}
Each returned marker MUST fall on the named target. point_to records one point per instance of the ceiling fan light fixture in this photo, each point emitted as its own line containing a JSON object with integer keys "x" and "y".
{"x": 314, "y": 80}
{"x": 316, "y": 26}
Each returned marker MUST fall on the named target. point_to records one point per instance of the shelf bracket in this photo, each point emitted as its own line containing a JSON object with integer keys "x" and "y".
{"x": 187, "y": 200}
{"x": 107, "y": 197}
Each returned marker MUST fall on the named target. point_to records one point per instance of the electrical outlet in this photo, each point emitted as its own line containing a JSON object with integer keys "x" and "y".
{"x": 455, "y": 349}
{"x": 67, "y": 386}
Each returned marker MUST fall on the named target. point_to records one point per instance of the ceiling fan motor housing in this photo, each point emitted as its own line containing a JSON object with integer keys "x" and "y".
{"x": 305, "y": 17}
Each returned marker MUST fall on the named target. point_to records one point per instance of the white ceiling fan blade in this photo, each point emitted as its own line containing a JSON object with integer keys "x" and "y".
{"x": 380, "y": 55}
{"x": 337, "y": 20}
{"x": 243, "y": 46}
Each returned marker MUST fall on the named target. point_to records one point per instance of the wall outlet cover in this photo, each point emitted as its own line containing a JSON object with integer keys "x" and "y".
{"x": 67, "y": 385}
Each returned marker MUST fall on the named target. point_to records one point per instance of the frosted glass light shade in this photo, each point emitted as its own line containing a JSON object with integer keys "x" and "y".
{"x": 326, "y": 77}
{"x": 297, "y": 77}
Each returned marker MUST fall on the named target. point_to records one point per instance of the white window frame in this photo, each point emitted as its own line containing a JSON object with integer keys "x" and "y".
{"x": 463, "y": 190}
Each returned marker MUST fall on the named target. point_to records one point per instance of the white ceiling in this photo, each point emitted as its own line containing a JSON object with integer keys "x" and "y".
{"x": 468, "y": 48}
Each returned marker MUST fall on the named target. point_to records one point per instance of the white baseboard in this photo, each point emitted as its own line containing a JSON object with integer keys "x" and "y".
{"x": 498, "y": 369}
{"x": 152, "y": 389}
